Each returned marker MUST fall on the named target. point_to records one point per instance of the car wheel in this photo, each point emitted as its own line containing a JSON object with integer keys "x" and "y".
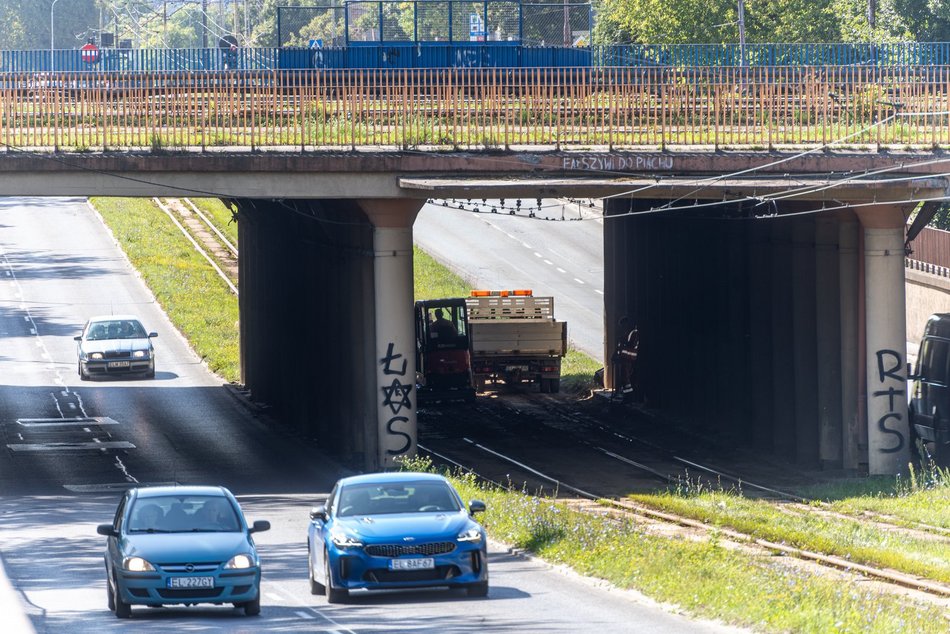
{"x": 82, "y": 375}
{"x": 110, "y": 596}
{"x": 150, "y": 374}
{"x": 253, "y": 608}
{"x": 479, "y": 589}
{"x": 334, "y": 595}
{"x": 122, "y": 609}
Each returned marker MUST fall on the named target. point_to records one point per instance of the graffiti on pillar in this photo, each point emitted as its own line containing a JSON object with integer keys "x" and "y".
{"x": 889, "y": 366}
{"x": 396, "y": 396}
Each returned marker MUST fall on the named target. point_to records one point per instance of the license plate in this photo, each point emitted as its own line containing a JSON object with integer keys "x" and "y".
{"x": 425, "y": 563}
{"x": 118, "y": 364}
{"x": 516, "y": 368}
{"x": 191, "y": 582}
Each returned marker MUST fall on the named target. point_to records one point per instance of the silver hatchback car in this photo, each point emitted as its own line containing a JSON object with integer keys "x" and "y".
{"x": 115, "y": 345}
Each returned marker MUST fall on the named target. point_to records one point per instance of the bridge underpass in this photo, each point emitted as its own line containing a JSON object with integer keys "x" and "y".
{"x": 785, "y": 331}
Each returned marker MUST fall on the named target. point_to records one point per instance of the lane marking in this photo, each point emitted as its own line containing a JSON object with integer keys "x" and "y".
{"x": 560, "y": 270}
{"x": 598, "y": 292}
{"x": 578, "y": 281}
{"x": 331, "y": 621}
{"x": 305, "y": 615}
{"x": 70, "y": 446}
{"x": 538, "y": 255}
{"x": 549, "y": 262}
{"x": 66, "y": 422}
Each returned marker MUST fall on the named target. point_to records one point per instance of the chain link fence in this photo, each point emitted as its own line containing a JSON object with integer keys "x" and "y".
{"x": 566, "y": 23}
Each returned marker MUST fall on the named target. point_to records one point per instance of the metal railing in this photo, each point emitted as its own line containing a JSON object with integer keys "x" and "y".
{"x": 863, "y": 108}
{"x": 490, "y": 54}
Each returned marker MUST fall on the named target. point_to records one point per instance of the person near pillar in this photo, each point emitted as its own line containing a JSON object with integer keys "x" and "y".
{"x": 625, "y": 358}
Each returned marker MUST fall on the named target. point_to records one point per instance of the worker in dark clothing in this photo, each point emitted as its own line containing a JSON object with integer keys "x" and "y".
{"x": 441, "y": 327}
{"x": 628, "y": 344}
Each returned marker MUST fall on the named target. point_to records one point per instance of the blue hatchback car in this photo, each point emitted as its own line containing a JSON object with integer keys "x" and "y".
{"x": 181, "y": 545}
{"x": 396, "y": 530}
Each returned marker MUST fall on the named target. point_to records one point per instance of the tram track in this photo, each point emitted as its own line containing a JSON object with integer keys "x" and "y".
{"x": 896, "y": 580}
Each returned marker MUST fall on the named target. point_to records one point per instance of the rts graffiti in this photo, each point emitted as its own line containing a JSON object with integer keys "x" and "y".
{"x": 396, "y": 398}
{"x": 889, "y": 365}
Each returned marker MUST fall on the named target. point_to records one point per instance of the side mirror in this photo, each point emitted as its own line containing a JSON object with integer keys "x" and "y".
{"x": 77, "y": 338}
{"x": 319, "y": 513}
{"x": 476, "y": 506}
{"x": 152, "y": 334}
{"x": 107, "y": 530}
{"x": 259, "y": 526}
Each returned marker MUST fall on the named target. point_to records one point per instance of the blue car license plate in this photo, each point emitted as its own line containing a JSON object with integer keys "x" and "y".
{"x": 424, "y": 563}
{"x": 191, "y": 582}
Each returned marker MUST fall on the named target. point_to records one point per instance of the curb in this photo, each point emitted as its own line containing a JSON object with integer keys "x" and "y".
{"x": 15, "y": 620}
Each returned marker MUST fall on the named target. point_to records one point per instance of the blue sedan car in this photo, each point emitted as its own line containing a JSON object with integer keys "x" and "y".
{"x": 181, "y": 545}
{"x": 396, "y": 530}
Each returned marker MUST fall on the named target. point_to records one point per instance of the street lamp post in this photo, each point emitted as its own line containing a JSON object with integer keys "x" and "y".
{"x": 51, "y": 36}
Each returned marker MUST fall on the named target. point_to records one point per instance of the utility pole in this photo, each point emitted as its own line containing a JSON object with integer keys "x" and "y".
{"x": 742, "y": 32}
{"x": 51, "y": 34}
{"x": 204, "y": 23}
{"x": 872, "y": 15}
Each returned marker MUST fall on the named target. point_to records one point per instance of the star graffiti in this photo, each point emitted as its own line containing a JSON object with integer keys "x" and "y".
{"x": 397, "y": 396}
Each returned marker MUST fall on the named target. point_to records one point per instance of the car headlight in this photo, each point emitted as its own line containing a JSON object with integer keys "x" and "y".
{"x": 239, "y": 562}
{"x": 136, "y": 564}
{"x": 140, "y": 354}
{"x": 471, "y": 535}
{"x": 95, "y": 355}
{"x": 342, "y": 539}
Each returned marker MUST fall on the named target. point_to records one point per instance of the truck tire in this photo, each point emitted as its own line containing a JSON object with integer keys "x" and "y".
{"x": 545, "y": 385}
{"x": 555, "y": 385}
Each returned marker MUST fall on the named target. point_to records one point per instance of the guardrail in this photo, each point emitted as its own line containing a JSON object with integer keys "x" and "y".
{"x": 713, "y": 107}
{"x": 500, "y": 54}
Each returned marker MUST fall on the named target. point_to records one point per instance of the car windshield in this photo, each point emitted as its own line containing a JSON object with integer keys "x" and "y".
{"x": 183, "y": 514}
{"x": 115, "y": 329}
{"x": 401, "y": 497}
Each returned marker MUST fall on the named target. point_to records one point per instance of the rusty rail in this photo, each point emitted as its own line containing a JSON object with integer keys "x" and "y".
{"x": 714, "y": 107}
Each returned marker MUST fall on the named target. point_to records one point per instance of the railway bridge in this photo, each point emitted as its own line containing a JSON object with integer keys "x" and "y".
{"x": 754, "y": 231}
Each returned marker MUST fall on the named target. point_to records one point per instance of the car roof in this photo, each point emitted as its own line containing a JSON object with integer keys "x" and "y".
{"x": 390, "y": 478}
{"x": 113, "y": 318}
{"x": 159, "y": 491}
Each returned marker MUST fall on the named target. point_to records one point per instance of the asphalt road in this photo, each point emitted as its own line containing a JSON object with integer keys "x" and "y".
{"x": 551, "y": 256}
{"x": 70, "y": 447}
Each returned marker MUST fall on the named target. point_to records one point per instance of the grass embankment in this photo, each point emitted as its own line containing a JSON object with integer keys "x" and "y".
{"x": 704, "y": 577}
{"x": 220, "y": 215}
{"x": 189, "y": 291}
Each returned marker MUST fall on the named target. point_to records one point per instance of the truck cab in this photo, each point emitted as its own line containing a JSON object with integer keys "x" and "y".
{"x": 443, "y": 360}
{"x": 929, "y": 406}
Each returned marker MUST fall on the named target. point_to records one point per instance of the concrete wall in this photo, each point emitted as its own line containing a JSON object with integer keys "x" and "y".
{"x": 307, "y": 319}
{"x": 926, "y": 294}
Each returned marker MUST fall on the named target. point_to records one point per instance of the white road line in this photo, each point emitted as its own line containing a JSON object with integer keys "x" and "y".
{"x": 598, "y": 292}
{"x": 331, "y": 621}
{"x": 578, "y": 281}
{"x": 304, "y": 615}
{"x": 273, "y": 596}
{"x": 526, "y": 245}
{"x": 538, "y": 255}
{"x": 560, "y": 270}
{"x": 70, "y": 446}
{"x": 549, "y": 262}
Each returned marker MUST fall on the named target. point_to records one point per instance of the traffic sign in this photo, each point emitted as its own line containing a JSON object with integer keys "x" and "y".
{"x": 90, "y": 53}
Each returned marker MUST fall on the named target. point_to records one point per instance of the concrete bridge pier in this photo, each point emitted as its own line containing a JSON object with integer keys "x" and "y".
{"x": 395, "y": 362}
{"x": 886, "y": 362}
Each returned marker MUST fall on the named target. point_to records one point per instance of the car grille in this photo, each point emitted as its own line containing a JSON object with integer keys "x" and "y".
{"x": 206, "y": 567}
{"x": 190, "y": 593}
{"x": 116, "y": 354}
{"x": 401, "y": 550}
